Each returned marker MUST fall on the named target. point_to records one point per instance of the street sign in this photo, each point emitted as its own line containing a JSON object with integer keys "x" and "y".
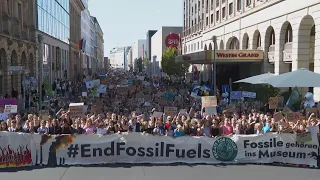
{"x": 225, "y": 88}
{"x": 15, "y": 68}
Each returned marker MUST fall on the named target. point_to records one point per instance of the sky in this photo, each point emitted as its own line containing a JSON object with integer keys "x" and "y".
{"x": 125, "y": 21}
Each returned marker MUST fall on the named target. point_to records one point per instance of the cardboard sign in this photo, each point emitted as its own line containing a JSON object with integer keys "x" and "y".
{"x": 157, "y": 114}
{"x": 309, "y": 111}
{"x": 76, "y": 109}
{"x": 273, "y": 102}
{"x": 44, "y": 114}
{"x": 293, "y": 117}
{"x": 11, "y": 108}
{"x": 280, "y": 102}
{"x": 303, "y": 137}
{"x": 170, "y": 111}
{"x": 183, "y": 111}
{"x": 286, "y": 110}
{"x": 209, "y": 101}
{"x": 277, "y": 116}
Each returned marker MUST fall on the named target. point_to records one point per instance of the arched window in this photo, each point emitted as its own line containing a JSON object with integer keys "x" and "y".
{"x": 288, "y": 34}
{"x": 234, "y": 44}
{"x": 247, "y": 43}
{"x": 259, "y": 40}
{"x": 272, "y": 38}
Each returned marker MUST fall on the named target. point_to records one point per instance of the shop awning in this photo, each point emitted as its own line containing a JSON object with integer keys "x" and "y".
{"x": 206, "y": 57}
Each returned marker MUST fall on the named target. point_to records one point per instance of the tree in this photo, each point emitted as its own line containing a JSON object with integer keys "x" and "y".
{"x": 169, "y": 66}
{"x": 139, "y": 64}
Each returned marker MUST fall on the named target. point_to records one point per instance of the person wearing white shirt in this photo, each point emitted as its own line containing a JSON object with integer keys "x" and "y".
{"x": 102, "y": 129}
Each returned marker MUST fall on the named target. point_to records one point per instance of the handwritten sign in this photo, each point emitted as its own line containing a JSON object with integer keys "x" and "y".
{"x": 209, "y": 101}
{"x": 11, "y": 108}
{"x": 286, "y": 110}
{"x": 170, "y": 111}
{"x": 293, "y": 116}
{"x": 303, "y": 137}
{"x": 309, "y": 111}
{"x": 273, "y": 102}
{"x": 76, "y": 109}
{"x": 277, "y": 116}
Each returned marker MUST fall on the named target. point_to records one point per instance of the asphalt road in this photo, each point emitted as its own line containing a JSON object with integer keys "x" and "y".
{"x": 162, "y": 172}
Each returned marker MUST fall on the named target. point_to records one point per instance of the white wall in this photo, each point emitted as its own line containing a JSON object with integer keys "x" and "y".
{"x": 117, "y": 58}
{"x": 156, "y": 51}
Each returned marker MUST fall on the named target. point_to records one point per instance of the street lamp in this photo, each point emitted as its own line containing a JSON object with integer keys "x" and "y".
{"x": 214, "y": 67}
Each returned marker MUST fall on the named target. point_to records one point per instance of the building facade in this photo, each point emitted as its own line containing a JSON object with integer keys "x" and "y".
{"x": 286, "y": 31}
{"x": 138, "y": 51}
{"x": 149, "y": 35}
{"x": 17, "y": 44}
{"x": 87, "y": 30}
{"x": 98, "y": 45}
{"x": 118, "y": 57}
{"x": 130, "y": 59}
{"x": 106, "y": 64}
{"x": 75, "y": 64}
{"x": 160, "y": 41}
{"x": 53, "y": 29}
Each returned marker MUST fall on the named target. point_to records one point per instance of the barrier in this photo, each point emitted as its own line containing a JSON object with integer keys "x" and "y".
{"x": 141, "y": 148}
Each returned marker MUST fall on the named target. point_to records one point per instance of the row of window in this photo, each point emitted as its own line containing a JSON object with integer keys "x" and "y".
{"x": 189, "y": 21}
{"x": 56, "y": 25}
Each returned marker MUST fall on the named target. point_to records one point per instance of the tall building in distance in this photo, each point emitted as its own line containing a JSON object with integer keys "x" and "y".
{"x": 165, "y": 37}
{"x": 53, "y": 30}
{"x": 87, "y": 36}
{"x": 17, "y": 44}
{"x": 149, "y": 35}
{"x": 98, "y": 45}
{"x": 138, "y": 51}
{"x": 285, "y": 32}
{"x": 118, "y": 57}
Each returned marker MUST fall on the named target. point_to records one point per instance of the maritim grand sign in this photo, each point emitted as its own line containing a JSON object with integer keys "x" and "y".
{"x": 206, "y": 57}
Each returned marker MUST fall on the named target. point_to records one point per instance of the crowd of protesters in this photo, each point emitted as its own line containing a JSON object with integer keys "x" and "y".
{"x": 121, "y": 112}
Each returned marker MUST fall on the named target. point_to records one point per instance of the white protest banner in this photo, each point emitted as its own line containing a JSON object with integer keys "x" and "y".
{"x": 17, "y": 149}
{"x": 76, "y": 109}
{"x": 84, "y": 94}
{"x": 247, "y": 94}
{"x": 11, "y": 108}
{"x": 139, "y": 148}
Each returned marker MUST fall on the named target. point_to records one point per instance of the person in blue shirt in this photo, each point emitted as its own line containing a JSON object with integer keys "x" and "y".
{"x": 178, "y": 132}
{"x": 267, "y": 127}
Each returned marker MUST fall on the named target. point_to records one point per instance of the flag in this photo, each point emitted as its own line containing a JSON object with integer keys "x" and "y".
{"x": 294, "y": 99}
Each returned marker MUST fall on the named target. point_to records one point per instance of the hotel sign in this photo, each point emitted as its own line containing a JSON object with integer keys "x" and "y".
{"x": 239, "y": 54}
{"x": 204, "y": 57}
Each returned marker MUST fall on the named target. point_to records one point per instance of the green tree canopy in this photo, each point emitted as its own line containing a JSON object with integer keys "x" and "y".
{"x": 169, "y": 66}
{"x": 140, "y": 64}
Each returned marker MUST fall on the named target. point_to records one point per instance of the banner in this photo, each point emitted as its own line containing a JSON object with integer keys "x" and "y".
{"x": 139, "y": 148}
{"x": 17, "y": 150}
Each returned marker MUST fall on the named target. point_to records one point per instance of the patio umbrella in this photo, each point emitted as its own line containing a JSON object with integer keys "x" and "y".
{"x": 259, "y": 79}
{"x": 298, "y": 78}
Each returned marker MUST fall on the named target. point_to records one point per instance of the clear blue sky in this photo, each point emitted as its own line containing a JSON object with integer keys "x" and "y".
{"x": 125, "y": 21}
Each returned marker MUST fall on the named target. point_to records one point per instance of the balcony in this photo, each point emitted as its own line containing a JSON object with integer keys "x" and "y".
{"x": 271, "y": 53}
{"x": 287, "y": 52}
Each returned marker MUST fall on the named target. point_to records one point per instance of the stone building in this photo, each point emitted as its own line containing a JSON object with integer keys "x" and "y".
{"x": 75, "y": 66}
{"x": 17, "y": 43}
{"x": 287, "y": 31}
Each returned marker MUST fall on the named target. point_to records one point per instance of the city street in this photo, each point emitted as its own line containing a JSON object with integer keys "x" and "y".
{"x": 181, "y": 172}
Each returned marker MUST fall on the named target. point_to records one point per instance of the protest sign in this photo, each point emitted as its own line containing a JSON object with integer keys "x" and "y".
{"x": 280, "y": 102}
{"x": 293, "y": 116}
{"x": 170, "y": 111}
{"x": 11, "y": 108}
{"x": 84, "y": 94}
{"x": 277, "y": 116}
{"x": 309, "y": 111}
{"x": 139, "y": 148}
{"x": 286, "y": 110}
{"x": 303, "y": 137}
{"x": 273, "y": 102}
{"x": 209, "y": 101}
{"x": 157, "y": 114}
{"x": 44, "y": 114}
{"x": 211, "y": 110}
{"x": 76, "y": 109}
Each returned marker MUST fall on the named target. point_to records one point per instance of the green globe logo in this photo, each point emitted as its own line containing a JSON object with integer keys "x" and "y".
{"x": 224, "y": 149}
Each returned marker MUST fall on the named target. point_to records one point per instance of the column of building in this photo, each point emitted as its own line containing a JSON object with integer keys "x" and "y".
{"x": 317, "y": 52}
{"x": 279, "y": 65}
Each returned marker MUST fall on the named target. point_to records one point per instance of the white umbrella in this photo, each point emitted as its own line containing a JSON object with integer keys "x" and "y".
{"x": 259, "y": 79}
{"x": 298, "y": 78}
